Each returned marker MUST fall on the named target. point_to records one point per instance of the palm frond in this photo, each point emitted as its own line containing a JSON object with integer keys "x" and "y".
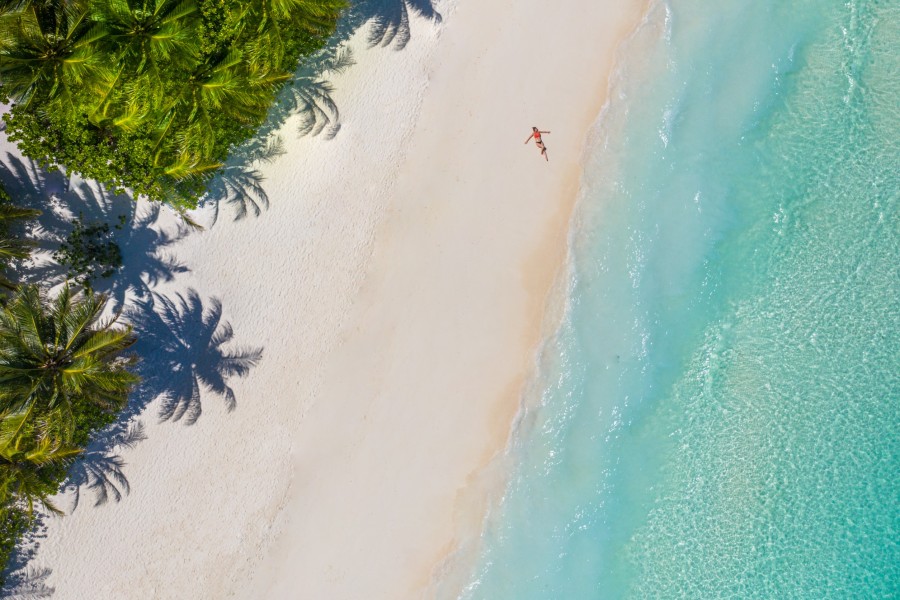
{"x": 57, "y": 352}
{"x": 189, "y": 166}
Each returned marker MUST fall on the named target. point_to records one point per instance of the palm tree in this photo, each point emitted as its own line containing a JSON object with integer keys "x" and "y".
{"x": 149, "y": 94}
{"x": 30, "y": 461}
{"x": 276, "y": 20}
{"x": 186, "y": 143}
{"x": 143, "y": 34}
{"x": 223, "y": 84}
{"x": 58, "y": 356}
{"x": 47, "y": 50}
{"x": 142, "y": 38}
{"x": 312, "y": 15}
{"x": 12, "y": 248}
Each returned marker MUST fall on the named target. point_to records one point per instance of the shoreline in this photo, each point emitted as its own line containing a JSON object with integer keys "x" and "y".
{"x": 490, "y": 485}
{"x": 411, "y": 243}
{"x": 487, "y": 485}
{"x": 399, "y": 287}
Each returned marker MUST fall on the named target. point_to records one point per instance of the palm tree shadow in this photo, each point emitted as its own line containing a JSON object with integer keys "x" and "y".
{"x": 21, "y": 579}
{"x": 33, "y": 187}
{"x": 181, "y": 342}
{"x": 145, "y": 262}
{"x": 310, "y": 92}
{"x": 61, "y": 199}
{"x": 309, "y": 95}
{"x": 390, "y": 20}
{"x": 100, "y": 469}
{"x": 239, "y": 183}
{"x": 27, "y": 584}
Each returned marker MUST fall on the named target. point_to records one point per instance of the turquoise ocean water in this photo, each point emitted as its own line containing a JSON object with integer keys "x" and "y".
{"x": 718, "y": 415}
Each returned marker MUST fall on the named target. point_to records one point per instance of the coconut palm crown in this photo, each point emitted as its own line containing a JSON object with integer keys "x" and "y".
{"x": 29, "y": 462}
{"x": 149, "y": 95}
{"x": 57, "y": 354}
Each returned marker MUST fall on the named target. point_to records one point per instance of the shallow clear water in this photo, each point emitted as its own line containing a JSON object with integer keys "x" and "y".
{"x": 719, "y": 413}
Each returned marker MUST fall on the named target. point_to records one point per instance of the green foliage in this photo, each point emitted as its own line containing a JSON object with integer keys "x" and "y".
{"x": 14, "y": 521}
{"x": 12, "y": 247}
{"x": 62, "y": 376}
{"x": 89, "y": 417}
{"x": 57, "y": 355}
{"x": 149, "y": 95}
{"x": 90, "y": 251}
{"x": 219, "y": 25}
{"x": 32, "y": 459}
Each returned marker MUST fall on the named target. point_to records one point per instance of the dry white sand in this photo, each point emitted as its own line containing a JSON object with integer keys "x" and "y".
{"x": 397, "y": 286}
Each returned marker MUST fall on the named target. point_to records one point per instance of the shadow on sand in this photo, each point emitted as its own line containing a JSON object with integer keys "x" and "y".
{"x": 309, "y": 95}
{"x": 390, "y": 19}
{"x": 182, "y": 341}
{"x": 184, "y": 359}
{"x": 143, "y": 247}
{"x": 28, "y": 584}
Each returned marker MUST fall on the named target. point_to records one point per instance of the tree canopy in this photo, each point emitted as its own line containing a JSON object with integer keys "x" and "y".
{"x": 149, "y": 95}
{"x": 63, "y": 375}
{"x": 57, "y": 353}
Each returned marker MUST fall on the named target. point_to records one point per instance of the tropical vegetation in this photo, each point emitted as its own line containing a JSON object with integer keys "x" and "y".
{"x": 144, "y": 96}
{"x": 63, "y": 375}
{"x": 149, "y": 95}
{"x": 13, "y": 247}
{"x": 90, "y": 251}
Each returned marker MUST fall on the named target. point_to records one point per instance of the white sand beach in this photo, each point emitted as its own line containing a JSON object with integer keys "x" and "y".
{"x": 396, "y": 287}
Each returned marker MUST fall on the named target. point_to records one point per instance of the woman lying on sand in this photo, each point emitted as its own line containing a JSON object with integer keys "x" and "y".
{"x": 536, "y": 134}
